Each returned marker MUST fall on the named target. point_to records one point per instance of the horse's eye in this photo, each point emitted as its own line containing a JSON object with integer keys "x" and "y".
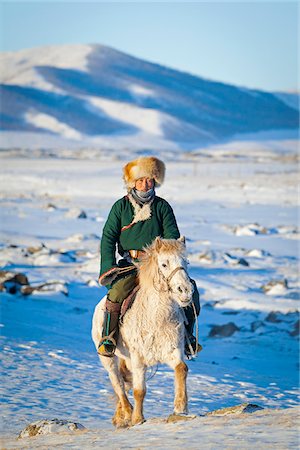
{"x": 164, "y": 265}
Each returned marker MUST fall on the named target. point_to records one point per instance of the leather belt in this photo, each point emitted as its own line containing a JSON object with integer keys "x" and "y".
{"x": 136, "y": 254}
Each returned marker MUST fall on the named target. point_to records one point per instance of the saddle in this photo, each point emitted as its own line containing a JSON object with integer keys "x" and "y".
{"x": 128, "y": 302}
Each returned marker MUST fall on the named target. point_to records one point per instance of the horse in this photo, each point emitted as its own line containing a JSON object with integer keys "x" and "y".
{"x": 152, "y": 330}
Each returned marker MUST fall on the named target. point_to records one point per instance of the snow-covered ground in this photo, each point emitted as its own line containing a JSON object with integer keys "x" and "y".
{"x": 238, "y": 211}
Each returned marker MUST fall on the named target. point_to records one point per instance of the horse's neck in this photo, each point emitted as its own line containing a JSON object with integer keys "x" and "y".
{"x": 158, "y": 304}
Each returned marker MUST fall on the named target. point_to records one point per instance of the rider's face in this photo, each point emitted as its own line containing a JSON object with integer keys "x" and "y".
{"x": 144, "y": 184}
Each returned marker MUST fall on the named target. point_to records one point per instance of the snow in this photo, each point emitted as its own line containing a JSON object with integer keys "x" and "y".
{"x": 147, "y": 120}
{"x": 50, "y": 368}
{"x": 85, "y": 95}
{"x": 141, "y": 90}
{"x": 18, "y": 67}
{"x": 49, "y": 123}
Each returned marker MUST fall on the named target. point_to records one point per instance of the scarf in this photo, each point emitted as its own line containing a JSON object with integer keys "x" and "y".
{"x": 142, "y": 197}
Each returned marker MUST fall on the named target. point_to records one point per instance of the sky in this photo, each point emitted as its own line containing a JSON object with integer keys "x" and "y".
{"x": 250, "y": 44}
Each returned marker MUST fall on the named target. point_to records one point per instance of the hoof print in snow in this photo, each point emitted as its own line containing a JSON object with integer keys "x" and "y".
{"x": 275, "y": 287}
{"x": 296, "y": 331}
{"x": 42, "y": 427}
{"x": 238, "y": 409}
{"x": 173, "y": 418}
{"x": 223, "y": 330}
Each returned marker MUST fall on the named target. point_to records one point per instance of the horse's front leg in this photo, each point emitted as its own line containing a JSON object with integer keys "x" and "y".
{"x": 180, "y": 400}
{"x": 139, "y": 390}
{"x": 181, "y": 371}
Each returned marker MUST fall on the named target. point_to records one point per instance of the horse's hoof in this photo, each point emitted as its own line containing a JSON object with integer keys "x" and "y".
{"x": 138, "y": 422}
{"x": 122, "y": 423}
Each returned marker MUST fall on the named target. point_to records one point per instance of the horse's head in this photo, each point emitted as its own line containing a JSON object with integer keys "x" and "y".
{"x": 168, "y": 258}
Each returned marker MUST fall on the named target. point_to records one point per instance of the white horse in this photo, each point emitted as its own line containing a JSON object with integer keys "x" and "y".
{"x": 152, "y": 330}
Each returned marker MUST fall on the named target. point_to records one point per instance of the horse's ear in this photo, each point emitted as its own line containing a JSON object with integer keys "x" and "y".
{"x": 157, "y": 242}
{"x": 181, "y": 239}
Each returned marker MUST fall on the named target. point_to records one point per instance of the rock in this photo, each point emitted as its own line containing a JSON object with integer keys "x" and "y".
{"x": 19, "y": 278}
{"x": 250, "y": 230}
{"x": 272, "y": 317}
{"x": 51, "y": 286}
{"x": 173, "y": 418}
{"x": 33, "y": 250}
{"x": 207, "y": 257}
{"x": 223, "y": 330}
{"x": 12, "y": 282}
{"x": 82, "y": 215}
{"x": 243, "y": 262}
{"x": 256, "y": 324}
{"x": 296, "y": 330}
{"x": 75, "y": 238}
{"x": 42, "y": 427}
{"x": 238, "y": 409}
{"x": 256, "y": 253}
{"x": 27, "y": 290}
{"x": 76, "y": 213}
{"x": 233, "y": 260}
{"x": 51, "y": 207}
{"x": 275, "y": 287}
{"x": 287, "y": 229}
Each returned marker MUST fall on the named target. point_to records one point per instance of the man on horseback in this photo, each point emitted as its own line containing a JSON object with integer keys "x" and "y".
{"x": 134, "y": 222}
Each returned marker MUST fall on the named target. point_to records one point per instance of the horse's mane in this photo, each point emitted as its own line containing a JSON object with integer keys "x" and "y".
{"x": 148, "y": 268}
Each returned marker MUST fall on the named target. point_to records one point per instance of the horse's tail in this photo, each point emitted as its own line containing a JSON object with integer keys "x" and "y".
{"x": 125, "y": 374}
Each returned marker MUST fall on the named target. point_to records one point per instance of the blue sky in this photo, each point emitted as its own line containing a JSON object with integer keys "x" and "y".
{"x": 251, "y": 44}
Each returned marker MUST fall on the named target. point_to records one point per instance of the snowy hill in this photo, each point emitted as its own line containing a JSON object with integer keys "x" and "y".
{"x": 92, "y": 95}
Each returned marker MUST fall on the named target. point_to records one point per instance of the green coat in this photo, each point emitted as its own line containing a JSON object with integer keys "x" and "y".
{"x": 157, "y": 220}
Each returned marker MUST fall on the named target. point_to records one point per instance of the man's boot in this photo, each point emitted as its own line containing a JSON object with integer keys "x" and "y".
{"x": 191, "y": 347}
{"x": 110, "y": 333}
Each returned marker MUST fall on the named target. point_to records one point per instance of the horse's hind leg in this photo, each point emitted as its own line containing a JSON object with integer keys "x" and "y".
{"x": 122, "y": 417}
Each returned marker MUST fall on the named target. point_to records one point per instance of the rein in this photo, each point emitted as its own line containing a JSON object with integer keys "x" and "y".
{"x": 168, "y": 279}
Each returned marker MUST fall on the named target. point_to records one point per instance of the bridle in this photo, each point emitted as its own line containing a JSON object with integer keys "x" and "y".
{"x": 169, "y": 277}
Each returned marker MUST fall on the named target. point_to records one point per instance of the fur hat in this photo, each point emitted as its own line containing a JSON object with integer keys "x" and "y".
{"x": 147, "y": 166}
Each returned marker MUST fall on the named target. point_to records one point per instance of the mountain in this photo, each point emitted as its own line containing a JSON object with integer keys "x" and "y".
{"x": 95, "y": 95}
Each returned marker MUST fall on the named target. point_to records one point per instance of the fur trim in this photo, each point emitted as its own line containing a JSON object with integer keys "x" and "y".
{"x": 150, "y": 167}
{"x": 140, "y": 213}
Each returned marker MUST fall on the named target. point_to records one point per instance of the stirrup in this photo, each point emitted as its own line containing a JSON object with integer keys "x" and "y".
{"x": 107, "y": 346}
{"x": 192, "y": 347}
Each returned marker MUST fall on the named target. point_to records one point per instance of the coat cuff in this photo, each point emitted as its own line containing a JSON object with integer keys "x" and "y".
{"x": 109, "y": 276}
